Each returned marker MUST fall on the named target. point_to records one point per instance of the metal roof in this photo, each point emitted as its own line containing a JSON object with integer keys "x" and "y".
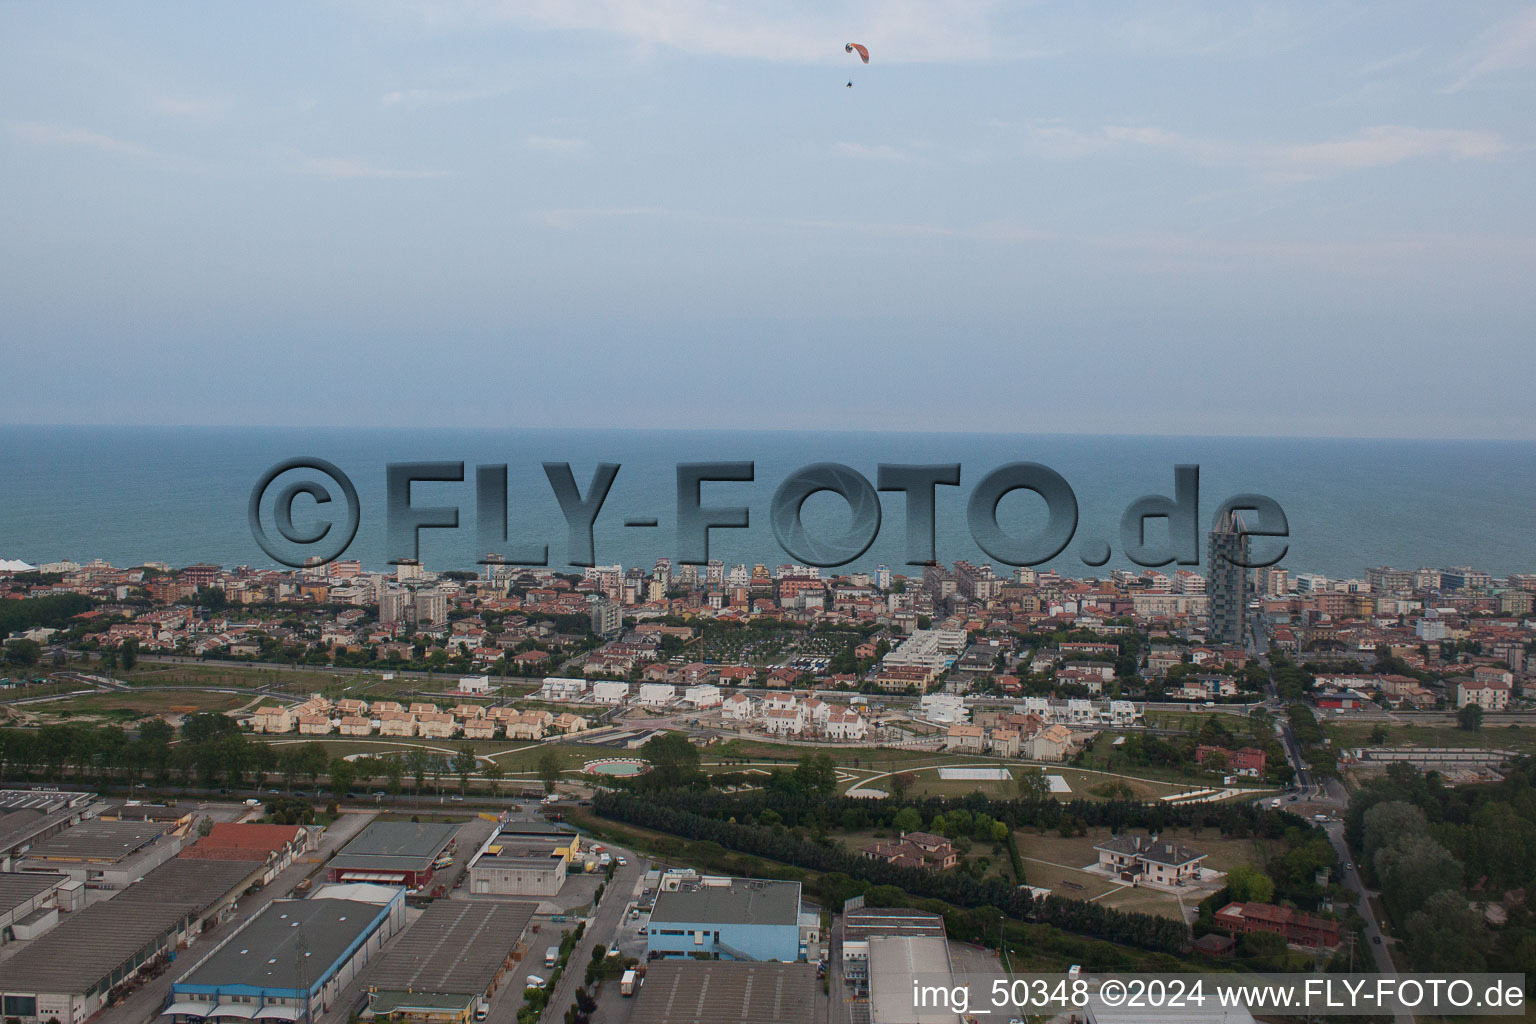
{"x": 724, "y": 992}
{"x": 100, "y": 840}
{"x": 291, "y": 945}
{"x": 865, "y": 922}
{"x": 46, "y": 800}
{"x": 753, "y": 900}
{"x": 455, "y": 946}
{"x": 893, "y": 963}
{"x": 395, "y": 846}
{"x": 17, "y": 887}
{"x": 88, "y": 945}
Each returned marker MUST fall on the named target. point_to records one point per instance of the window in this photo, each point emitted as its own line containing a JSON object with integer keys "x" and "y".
{"x": 20, "y": 1006}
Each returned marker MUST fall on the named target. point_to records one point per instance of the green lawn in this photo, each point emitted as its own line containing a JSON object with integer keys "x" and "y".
{"x": 1495, "y": 737}
{"x": 121, "y": 705}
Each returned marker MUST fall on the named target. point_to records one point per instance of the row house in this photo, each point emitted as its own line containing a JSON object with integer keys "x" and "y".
{"x": 315, "y": 725}
{"x": 355, "y": 725}
{"x": 738, "y": 707}
{"x": 396, "y": 723}
{"x": 272, "y": 719}
{"x": 479, "y": 729}
{"x": 435, "y": 725}
{"x": 965, "y": 738}
{"x": 846, "y": 726}
{"x": 784, "y": 721}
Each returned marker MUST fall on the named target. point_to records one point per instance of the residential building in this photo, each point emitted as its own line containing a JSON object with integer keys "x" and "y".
{"x": 1227, "y": 558}
{"x": 1298, "y": 927}
{"x": 1146, "y": 858}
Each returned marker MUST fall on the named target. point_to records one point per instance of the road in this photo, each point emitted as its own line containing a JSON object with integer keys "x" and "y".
{"x": 1374, "y": 940}
{"x": 602, "y": 926}
{"x": 145, "y": 1003}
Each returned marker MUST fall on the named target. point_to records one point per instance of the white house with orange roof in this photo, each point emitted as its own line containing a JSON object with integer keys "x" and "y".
{"x": 272, "y": 718}
{"x": 784, "y": 721}
{"x": 355, "y": 725}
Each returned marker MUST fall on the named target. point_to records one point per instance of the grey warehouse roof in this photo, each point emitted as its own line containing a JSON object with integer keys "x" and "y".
{"x": 456, "y": 946}
{"x": 88, "y": 945}
{"x": 289, "y": 945}
{"x": 724, "y": 992}
{"x": 745, "y": 900}
{"x": 395, "y": 846}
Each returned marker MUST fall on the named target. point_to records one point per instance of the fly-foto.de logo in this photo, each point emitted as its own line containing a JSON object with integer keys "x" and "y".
{"x": 336, "y": 511}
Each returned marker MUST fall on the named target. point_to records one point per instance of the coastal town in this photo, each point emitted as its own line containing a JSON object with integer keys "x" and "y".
{"x": 1178, "y": 751}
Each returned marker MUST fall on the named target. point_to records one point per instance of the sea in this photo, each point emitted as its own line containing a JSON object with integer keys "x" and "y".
{"x": 180, "y": 495}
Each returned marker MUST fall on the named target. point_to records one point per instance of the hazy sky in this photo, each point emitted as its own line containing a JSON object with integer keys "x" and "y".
{"x": 1202, "y": 218}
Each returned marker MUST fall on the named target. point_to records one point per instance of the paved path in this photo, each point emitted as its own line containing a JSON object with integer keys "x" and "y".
{"x": 602, "y": 926}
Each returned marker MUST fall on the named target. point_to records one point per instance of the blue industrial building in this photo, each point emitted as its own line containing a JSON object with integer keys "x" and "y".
{"x": 733, "y": 918}
{"x": 289, "y": 964}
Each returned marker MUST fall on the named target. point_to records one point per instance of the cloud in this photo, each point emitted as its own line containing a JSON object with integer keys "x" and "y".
{"x": 42, "y": 134}
{"x": 1385, "y": 145}
{"x": 180, "y": 106}
{"x": 341, "y": 168}
{"x": 860, "y": 151}
{"x": 896, "y": 31}
{"x": 1377, "y": 146}
{"x": 556, "y": 146}
{"x": 439, "y": 97}
{"x": 1511, "y": 46}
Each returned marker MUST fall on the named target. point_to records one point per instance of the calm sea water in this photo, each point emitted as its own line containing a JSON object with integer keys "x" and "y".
{"x": 179, "y": 495}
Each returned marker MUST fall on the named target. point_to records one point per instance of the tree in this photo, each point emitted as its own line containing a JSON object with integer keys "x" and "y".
{"x": 128, "y": 654}
{"x": 549, "y": 770}
{"x": 1248, "y": 884}
{"x": 817, "y": 775}
{"x": 1470, "y": 718}
{"x": 205, "y": 827}
{"x": 342, "y": 773}
{"x": 464, "y": 765}
{"x": 1378, "y": 734}
{"x": 1446, "y": 935}
{"x": 206, "y": 726}
{"x": 23, "y": 653}
{"x": 907, "y": 820}
{"x": 674, "y": 761}
{"x": 417, "y": 761}
{"x": 494, "y": 772}
{"x": 1032, "y": 785}
{"x": 901, "y": 784}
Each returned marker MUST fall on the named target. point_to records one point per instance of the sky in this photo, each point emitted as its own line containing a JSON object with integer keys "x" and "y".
{"x": 1127, "y": 218}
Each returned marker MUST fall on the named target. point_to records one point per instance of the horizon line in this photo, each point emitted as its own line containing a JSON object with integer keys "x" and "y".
{"x": 381, "y": 428}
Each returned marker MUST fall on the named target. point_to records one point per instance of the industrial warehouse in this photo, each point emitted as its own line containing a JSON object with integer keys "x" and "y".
{"x": 290, "y": 962}
{"x": 520, "y": 865}
{"x": 70, "y": 971}
{"x": 725, "y": 992}
{"x": 451, "y": 960}
{"x": 404, "y": 853}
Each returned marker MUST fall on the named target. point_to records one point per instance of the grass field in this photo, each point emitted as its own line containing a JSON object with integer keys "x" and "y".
{"x": 1057, "y": 863}
{"x": 128, "y": 706}
{"x": 152, "y": 673}
{"x": 1497, "y": 737}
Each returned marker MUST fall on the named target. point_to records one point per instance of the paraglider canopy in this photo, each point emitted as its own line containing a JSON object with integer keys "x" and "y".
{"x": 860, "y": 47}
